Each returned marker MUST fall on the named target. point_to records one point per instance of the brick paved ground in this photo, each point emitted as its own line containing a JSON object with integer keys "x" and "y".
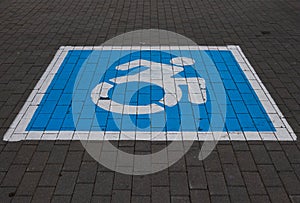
{"x": 61, "y": 171}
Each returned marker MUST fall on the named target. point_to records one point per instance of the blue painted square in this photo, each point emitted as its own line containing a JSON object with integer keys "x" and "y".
{"x": 244, "y": 111}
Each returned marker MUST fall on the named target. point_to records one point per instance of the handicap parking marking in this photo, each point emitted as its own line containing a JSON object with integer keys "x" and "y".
{"x": 146, "y": 91}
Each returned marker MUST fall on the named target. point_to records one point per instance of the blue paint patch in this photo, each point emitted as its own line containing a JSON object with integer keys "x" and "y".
{"x": 244, "y": 111}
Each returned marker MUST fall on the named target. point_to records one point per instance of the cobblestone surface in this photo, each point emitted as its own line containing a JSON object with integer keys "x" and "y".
{"x": 60, "y": 171}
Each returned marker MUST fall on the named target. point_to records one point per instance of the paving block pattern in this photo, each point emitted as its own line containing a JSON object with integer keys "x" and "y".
{"x": 32, "y": 31}
{"x": 164, "y": 90}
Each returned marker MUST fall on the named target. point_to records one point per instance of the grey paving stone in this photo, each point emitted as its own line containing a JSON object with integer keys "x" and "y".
{"x": 7, "y": 194}
{"x": 179, "y": 166}
{"x": 296, "y": 168}
{"x": 87, "y": 157}
{"x": 104, "y": 183}
{"x": 98, "y": 199}
{"x": 260, "y": 154}
{"x": 2, "y": 175}
{"x": 269, "y": 175}
{"x": 238, "y": 194}
{"x": 24, "y": 154}
{"x": 120, "y": 196}
{"x": 142, "y": 146}
{"x": 160, "y": 178}
{"x": 260, "y": 198}
{"x": 66, "y": 183}
{"x": 254, "y": 183}
{"x": 216, "y": 183}
{"x": 212, "y": 162}
{"x": 277, "y": 194}
{"x": 127, "y": 144}
{"x": 180, "y": 199}
{"x": 196, "y": 178}
{"x": 226, "y": 154}
{"x": 43, "y": 194}
{"x": 87, "y": 172}
{"x": 122, "y": 181}
{"x": 199, "y": 196}
{"x": 273, "y": 146}
{"x": 45, "y": 146}
{"x": 50, "y": 175}
{"x": 82, "y": 193}
{"x": 191, "y": 157}
{"x": 178, "y": 189}
{"x": 29, "y": 183}
{"x": 5, "y": 112}
{"x": 76, "y": 146}
{"x": 160, "y": 194}
{"x": 246, "y": 161}
{"x": 58, "y": 154}
{"x": 21, "y": 199}
{"x": 38, "y": 161}
{"x": 73, "y": 161}
{"x": 1, "y": 146}
{"x": 290, "y": 182}
{"x": 280, "y": 161}
{"x": 141, "y": 185}
{"x": 219, "y": 198}
{"x": 14, "y": 175}
{"x": 295, "y": 198}
{"x": 137, "y": 199}
{"x": 13, "y": 147}
{"x": 6, "y": 159}
{"x": 60, "y": 199}
{"x": 240, "y": 146}
{"x": 292, "y": 152}
{"x": 233, "y": 175}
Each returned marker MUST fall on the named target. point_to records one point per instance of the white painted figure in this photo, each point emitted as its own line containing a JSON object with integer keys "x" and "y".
{"x": 158, "y": 74}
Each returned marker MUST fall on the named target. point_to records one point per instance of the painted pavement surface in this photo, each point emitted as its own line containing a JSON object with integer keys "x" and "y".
{"x": 260, "y": 165}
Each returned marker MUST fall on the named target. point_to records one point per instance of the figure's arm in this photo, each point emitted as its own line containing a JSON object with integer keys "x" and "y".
{"x": 133, "y": 64}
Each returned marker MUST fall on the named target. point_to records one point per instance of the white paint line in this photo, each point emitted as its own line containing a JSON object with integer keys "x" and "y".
{"x": 17, "y": 131}
{"x": 252, "y": 136}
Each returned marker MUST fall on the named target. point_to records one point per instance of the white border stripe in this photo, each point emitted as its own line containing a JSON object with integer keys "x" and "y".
{"x": 17, "y": 132}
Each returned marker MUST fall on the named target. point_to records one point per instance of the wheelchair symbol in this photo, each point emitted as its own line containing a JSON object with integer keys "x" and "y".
{"x": 159, "y": 74}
